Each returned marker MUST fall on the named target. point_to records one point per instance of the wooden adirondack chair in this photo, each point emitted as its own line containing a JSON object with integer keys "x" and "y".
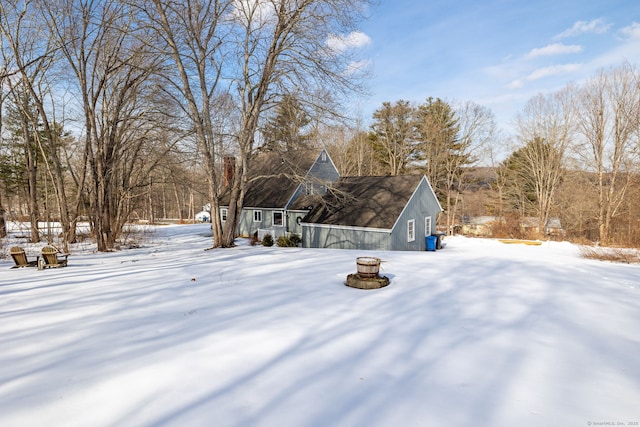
{"x": 20, "y": 258}
{"x": 50, "y": 258}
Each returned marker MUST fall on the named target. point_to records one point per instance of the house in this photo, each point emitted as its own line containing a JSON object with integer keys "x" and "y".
{"x": 553, "y": 226}
{"x": 485, "y": 226}
{"x": 276, "y": 182}
{"x": 479, "y": 226}
{"x": 373, "y": 212}
{"x": 203, "y": 216}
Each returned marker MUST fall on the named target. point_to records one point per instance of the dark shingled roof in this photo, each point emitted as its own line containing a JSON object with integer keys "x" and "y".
{"x": 288, "y": 162}
{"x": 274, "y": 177}
{"x": 306, "y": 202}
{"x": 365, "y": 201}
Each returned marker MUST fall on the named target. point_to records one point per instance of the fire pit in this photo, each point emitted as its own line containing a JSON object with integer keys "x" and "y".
{"x": 367, "y": 276}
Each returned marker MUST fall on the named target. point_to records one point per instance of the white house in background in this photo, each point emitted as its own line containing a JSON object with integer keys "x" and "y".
{"x": 203, "y": 216}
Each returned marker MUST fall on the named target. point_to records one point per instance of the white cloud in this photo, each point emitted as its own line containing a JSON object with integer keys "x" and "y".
{"x": 516, "y": 84}
{"x": 544, "y": 72}
{"x": 553, "y": 70}
{"x": 252, "y": 12}
{"x": 597, "y": 26}
{"x": 341, "y": 43}
{"x": 631, "y": 32}
{"x": 554, "y": 49}
{"x": 358, "y": 66}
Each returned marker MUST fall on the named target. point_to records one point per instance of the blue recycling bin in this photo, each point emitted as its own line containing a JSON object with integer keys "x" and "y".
{"x": 431, "y": 242}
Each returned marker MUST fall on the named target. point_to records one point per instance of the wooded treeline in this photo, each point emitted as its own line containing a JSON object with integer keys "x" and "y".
{"x": 574, "y": 155}
{"x": 118, "y": 110}
{"x": 113, "y": 107}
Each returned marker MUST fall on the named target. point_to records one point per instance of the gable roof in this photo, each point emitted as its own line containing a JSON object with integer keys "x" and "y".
{"x": 270, "y": 192}
{"x": 274, "y": 177}
{"x": 292, "y": 162}
{"x": 365, "y": 201}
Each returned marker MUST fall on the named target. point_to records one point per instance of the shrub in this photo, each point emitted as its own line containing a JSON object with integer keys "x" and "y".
{"x": 254, "y": 239}
{"x": 290, "y": 241}
{"x": 295, "y": 239}
{"x": 627, "y": 256}
{"x": 267, "y": 240}
{"x": 509, "y": 228}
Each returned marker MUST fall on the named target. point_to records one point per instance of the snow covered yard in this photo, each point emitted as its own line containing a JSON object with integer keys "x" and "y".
{"x": 478, "y": 334}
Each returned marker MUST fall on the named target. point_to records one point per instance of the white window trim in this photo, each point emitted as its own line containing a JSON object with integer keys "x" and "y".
{"x": 411, "y": 230}
{"x": 273, "y": 218}
{"x": 223, "y": 214}
{"x": 427, "y": 226}
{"x": 257, "y": 214}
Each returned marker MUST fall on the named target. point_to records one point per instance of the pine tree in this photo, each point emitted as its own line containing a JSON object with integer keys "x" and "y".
{"x": 437, "y": 130}
{"x": 392, "y": 137}
{"x": 287, "y": 129}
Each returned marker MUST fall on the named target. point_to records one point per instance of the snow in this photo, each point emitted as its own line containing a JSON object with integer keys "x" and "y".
{"x": 479, "y": 333}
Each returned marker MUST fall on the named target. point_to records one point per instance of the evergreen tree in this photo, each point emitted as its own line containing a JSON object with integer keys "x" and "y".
{"x": 24, "y": 162}
{"x": 19, "y": 120}
{"x": 518, "y": 195}
{"x": 437, "y": 132}
{"x": 287, "y": 129}
{"x": 392, "y": 137}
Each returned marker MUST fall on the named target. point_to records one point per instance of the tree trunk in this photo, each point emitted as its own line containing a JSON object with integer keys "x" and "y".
{"x": 32, "y": 180}
{"x": 3, "y": 223}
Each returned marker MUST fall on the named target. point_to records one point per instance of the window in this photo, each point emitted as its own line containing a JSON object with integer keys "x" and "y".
{"x": 257, "y": 216}
{"x": 309, "y": 188}
{"x": 427, "y": 226}
{"x": 277, "y": 218}
{"x": 411, "y": 230}
{"x": 223, "y": 214}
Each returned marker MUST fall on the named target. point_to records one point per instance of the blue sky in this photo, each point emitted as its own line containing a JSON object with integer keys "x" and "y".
{"x": 498, "y": 53}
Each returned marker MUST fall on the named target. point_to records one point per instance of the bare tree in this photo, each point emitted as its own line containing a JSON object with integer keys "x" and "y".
{"x": 545, "y": 129}
{"x": 3, "y": 72}
{"x": 33, "y": 54}
{"x": 111, "y": 68}
{"x": 477, "y": 129}
{"x": 253, "y": 52}
{"x": 282, "y": 45}
{"x": 352, "y": 151}
{"x": 608, "y": 124}
{"x": 577, "y": 200}
{"x": 190, "y": 36}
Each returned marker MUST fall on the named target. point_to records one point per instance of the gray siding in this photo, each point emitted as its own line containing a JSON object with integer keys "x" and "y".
{"x": 420, "y": 205}
{"x": 340, "y": 238}
{"x": 324, "y": 169}
{"x": 292, "y": 224}
{"x": 247, "y": 226}
{"x": 322, "y": 173}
